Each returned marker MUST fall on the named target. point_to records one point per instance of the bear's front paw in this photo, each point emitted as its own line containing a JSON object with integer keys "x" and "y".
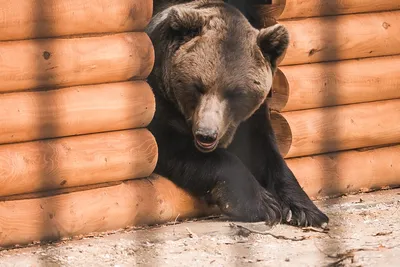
{"x": 304, "y": 216}
{"x": 270, "y": 210}
{"x": 251, "y": 206}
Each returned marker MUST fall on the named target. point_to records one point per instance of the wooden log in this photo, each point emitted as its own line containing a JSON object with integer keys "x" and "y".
{"x": 49, "y": 63}
{"x": 132, "y": 203}
{"x": 336, "y": 83}
{"x": 75, "y": 161}
{"x": 342, "y": 37}
{"x": 348, "y": 172}
{"x": 27, "y": 116}
{"x": 147, "y": 202}
{"x": 28, "y": 19}
{"x": 292, "y": 9}
{"x": 316, "y": 131}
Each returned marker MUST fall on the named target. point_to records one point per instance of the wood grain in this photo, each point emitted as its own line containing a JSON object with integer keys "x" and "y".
{"x": 316, "y": 131}
{"x": 75, "y": 161}
{"x": 336, "y": 83}
{"x": 137, "y": 202}
{"x": 342, "y": 37}
{"x": 27, "y": 116}
{"x": 51, "y": 63}
{"x": 348, "y": 172}
{"x": 28, "y": 19}
{"x": 291, "y": 9}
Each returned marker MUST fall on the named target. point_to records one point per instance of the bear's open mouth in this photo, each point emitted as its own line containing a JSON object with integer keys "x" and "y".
{"x": 206, "y": 147}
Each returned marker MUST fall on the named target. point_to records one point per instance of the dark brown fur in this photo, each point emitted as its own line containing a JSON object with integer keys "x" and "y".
{"x": 212, "y": 74}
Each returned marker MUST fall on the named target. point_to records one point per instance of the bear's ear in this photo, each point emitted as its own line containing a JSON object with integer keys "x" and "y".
{"x": 273, "y": 42}
{"x": 186, "y": 21}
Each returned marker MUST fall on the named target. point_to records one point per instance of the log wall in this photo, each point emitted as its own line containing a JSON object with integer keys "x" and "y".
{"x": 76, "y": 157}
{"x": 75, "y": 154}
{"x": 326, "y": 84}
{"x": 335, "y": 95}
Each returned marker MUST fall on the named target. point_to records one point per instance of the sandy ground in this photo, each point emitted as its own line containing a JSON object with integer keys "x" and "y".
{"x": 364, "y": 231}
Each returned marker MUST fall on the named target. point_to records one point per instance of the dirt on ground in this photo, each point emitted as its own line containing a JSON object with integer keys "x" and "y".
{"x": 364, "y": 231}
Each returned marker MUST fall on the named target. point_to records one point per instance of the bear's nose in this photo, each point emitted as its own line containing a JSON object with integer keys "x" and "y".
{"x": 206, "y": 136}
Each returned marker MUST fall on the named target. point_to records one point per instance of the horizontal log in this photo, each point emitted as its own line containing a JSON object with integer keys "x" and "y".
{"x": 154, "y": 201}
{"x": 132, "y": 203}
{"x": 49, "y": 63}
{"x": 28, "y": 19}
{"x": 348, "y": 172}
{"x": 316, "y": 131}
{"x": 342, "y": 37}
{"x": 75, "y": 161}
{"x": 27, "y": 116}
{"x": 291, "y": 9}
{"x": 336, "y": 83}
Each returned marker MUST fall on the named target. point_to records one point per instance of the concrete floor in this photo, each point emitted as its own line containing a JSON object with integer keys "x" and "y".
{"x": 364, "y": 231}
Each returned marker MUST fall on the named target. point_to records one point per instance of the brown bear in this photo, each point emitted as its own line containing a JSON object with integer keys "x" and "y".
{"x": 212, "y": 74}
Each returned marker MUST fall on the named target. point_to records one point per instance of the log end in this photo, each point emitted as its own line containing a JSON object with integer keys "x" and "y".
{"x": 140, "y": 50}
{"x": 280, "y": 92}
{"x": 282, "y": 132}
{"x": 174, "y": 203}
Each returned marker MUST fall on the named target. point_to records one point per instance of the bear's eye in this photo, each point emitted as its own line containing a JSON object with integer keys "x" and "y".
{"x": 234, "y": 93}
{"x": 185, "y": 35}
{"x": 191, "y": 33}
{"x": 198, "y": 88}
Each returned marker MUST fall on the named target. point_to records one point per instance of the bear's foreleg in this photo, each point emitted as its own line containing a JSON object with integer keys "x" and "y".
{"x": 255, "y": 145}
{"x": 219, "y": 177}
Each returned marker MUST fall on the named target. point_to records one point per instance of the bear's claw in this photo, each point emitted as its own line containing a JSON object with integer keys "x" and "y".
{"x": 306, "y": 217}
{"x": 270, "y": 209}
{"x": 289, "y": 216}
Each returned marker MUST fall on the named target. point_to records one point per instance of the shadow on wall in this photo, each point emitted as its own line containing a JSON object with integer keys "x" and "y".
{"x": 247, "y": 8}
{"x": 330, "y": 245}
{"x": 44, "y": 61}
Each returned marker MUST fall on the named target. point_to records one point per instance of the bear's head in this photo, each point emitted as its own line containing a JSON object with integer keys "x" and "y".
{"x": 213, "y": 66}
